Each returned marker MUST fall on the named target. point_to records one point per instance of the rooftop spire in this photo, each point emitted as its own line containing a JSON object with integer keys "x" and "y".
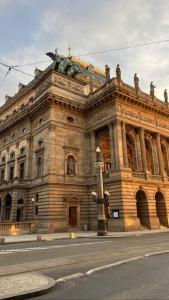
{"x": 69, "y": 50}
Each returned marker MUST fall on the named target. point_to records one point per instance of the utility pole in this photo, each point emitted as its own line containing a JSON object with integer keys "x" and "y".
{"x": 101, "y": 220}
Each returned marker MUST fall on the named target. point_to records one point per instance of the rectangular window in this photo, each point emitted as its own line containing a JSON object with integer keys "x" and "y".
{"x": 2, "y": 175}
{"x": 36, "y": 210}
{"x": 11, "y": 173}
{"x": 22, "y": 170}
{"x": 37, "y": 197}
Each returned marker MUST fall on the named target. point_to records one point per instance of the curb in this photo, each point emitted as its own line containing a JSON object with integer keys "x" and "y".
{"x": 118, "y": 263}
{"x": 69, "y": 277}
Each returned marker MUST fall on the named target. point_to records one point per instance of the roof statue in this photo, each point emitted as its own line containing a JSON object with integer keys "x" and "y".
{"x": 136, "y": 82}
{"x": 165, "y": 96}
{"x": 107, "y": 72}
{"x": 64, "y": 64}
{"x": 118, "y": 72}
{"x": 152, "y": 88}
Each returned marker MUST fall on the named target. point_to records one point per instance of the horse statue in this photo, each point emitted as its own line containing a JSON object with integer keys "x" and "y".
{"x": 64, "y": 64}
{"x": 74, "y": 70}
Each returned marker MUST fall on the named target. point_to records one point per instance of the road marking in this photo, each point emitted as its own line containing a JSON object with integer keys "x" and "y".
{"x": 113, "y": 265}
{"x": 10, "y": 251}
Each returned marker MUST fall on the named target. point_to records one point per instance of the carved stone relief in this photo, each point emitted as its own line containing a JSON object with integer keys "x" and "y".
{"x": 68, "y": 84}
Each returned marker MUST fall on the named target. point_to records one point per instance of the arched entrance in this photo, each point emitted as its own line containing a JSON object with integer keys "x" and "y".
{"x": 142, "y": 209}
{"x": 7, "y": 207}
{"x": 20, "y": 210}
{"x": 161, "y": 209}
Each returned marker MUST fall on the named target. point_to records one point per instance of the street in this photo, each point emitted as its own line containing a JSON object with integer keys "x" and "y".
{"x": 59, "y": 258}
{"x": 142, "y": 279}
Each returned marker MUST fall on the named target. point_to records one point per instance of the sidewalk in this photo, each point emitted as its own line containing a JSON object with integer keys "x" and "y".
{"x": 21, "y": 285}
{"x": 79, "y": 234}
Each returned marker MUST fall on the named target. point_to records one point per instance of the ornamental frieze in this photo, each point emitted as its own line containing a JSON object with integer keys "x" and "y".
{"x": 73, "y": 86}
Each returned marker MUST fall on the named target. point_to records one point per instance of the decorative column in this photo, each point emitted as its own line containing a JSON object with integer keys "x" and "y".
{"x": 112, "y": 148}
{"x": 6, "y": 167}
{"x": 2, "y": 210}
{"x": 159, "y": 152}
{"x": 50, "y": 152}
{"x": 16, "y": 162}
{"x": 92, "y": 150}
{"x": 118, "y": 145}
{"x": 143, "y": 149}
{"x": 138, "y": 152}
{"x": 124, "y": 142}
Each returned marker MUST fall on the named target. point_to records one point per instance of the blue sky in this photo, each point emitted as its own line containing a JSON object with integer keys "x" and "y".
{"x": 29, "y": 28}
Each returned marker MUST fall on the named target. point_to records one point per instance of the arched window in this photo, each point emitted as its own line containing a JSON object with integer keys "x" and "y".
{"x": 130, "y": 153}
{"x": 71, "y": 165}
{"x": 164, "y": 156}
{"x": 149, "y": 156}
{"x": 40, "y": 143}
{"x": 7, "y": 207}
{"x": 12, "y": 155}
{"x": 39, "y": 166}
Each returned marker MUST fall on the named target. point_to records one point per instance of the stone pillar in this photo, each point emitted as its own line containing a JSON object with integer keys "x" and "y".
{"x": 29, "y": 158}
{"x": 111, "y": 136}
{"x": 6, "y": 167}
{"x": 124, "y": 142}
{"x": 119, "y": 164}
{"x": 159, "y": 152}
{"x": 143, "y": 150}
{"x": 155, "y": 156}
{"x": 138, "y": 153}
{"x": 92, "y": 151}
{"x": 16, "y": 163}
{"x": 50, "y": 152}
{"x": 2, "y": 210}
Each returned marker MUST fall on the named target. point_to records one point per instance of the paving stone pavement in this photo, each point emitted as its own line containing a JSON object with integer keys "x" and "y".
{"x": 20, "y": 285}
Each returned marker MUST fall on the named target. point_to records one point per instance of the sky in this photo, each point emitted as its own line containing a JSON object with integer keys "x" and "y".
{"x": 30, "y": 28}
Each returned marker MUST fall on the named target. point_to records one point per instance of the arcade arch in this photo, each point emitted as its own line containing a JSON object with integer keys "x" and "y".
{"x": 161, "y": 209}
{"x": 142, "y": 208}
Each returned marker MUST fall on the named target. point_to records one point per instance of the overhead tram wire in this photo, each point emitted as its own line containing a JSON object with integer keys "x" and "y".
{"x": 97, "y": 52}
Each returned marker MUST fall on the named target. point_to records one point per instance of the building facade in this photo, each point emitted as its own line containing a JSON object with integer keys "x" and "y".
{"x": 49, "y": 132}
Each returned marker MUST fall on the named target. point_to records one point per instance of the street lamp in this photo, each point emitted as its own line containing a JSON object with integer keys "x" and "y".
{"x": 33, "y": 201}
{"x": 101, "y": 220}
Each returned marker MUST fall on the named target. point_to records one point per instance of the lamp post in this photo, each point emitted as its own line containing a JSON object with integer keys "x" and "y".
{"x": 101, "y": 220}
{"x": 33, "y": 201}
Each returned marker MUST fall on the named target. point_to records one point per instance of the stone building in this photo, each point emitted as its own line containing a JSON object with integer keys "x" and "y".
{"x": 49, "y": 132}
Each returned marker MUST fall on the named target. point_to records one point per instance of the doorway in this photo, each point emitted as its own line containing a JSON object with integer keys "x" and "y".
{"x": 73, "y": 216}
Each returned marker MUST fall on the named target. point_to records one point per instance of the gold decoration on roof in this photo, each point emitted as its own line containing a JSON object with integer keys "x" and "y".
{"x": 85, "y": 64}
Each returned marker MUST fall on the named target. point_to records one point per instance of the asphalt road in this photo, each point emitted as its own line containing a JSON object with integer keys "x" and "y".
{"x": 65, "y": 257}
{"x": 144, "y": 279}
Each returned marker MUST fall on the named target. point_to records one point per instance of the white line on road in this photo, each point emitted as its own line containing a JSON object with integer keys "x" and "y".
{"x": 10, "y": 251}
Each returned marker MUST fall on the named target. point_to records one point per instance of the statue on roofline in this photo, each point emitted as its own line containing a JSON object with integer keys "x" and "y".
{"x": 107, "y": 72}
{"x": 118, "y": 72}
{"x": 64, "y": 64}
{"x": 165, "y": 96}
{"x": 136, "y": 82}
{"x": 152, "y": 89}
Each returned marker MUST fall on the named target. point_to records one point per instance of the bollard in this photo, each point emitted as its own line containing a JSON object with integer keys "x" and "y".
{"x": 39, "y": 238}
{"x": 72, "y": 235}
{"x": 2, "y": 241}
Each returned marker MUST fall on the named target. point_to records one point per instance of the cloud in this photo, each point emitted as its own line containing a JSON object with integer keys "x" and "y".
{"x": 99, "y": 25}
